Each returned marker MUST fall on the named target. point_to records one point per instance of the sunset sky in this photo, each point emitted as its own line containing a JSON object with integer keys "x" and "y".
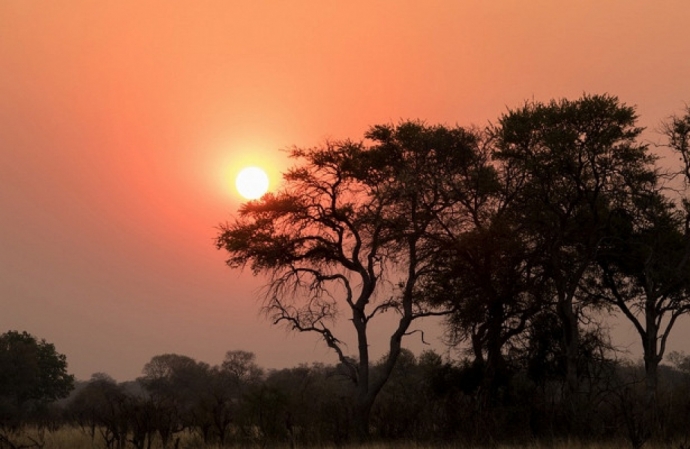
{"x": 124, "y": 123}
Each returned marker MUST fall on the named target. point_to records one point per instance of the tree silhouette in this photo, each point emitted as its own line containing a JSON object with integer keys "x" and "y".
{"x": 645, "y": 264}
{"x": 32, "y": 374}
{"x": 177, "y": 385}
{"x": 486, "y": 269}
{"x": 351, "y": 230}
{"x": 579, "y": 160}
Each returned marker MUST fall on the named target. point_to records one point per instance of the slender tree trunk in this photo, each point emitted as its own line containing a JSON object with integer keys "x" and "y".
{"x": 494, "y": 358}
{"x": 570, "y": 345}
{"x": 651, "y": 364}
{"x": 651, "y": 350}
{"x": 363, "y": 404}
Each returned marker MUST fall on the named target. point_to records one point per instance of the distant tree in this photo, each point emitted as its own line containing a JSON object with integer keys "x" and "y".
{"x": 318, "y": 403}
{"x": 102, "y": 406}
{"x": 32, "y": 375}
{"x": 230, "y": 383}
{"x": 350, "y": 230}
{"x": 680, "y": 360}
{"x": 242, "y": 368}
{"x": 176, "y": 385}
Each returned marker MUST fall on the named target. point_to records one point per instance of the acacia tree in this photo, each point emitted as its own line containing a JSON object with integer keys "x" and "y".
{"x": 486, "y": 270}
{"x": 579, "y": 160}
{"x": 645, "y": 272}
{"x": 350, "y": 231}
{"x": 645, "y": 264}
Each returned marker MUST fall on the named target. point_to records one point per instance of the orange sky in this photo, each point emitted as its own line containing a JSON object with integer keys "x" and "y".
{"x": 123, "y": 123}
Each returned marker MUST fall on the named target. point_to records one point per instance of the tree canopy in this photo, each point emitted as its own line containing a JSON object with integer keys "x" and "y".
{"x": 32, "y": 374}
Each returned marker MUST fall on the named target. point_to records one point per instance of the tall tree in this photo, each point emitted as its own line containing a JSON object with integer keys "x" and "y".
{"x": 645, "y": 266}
{"x": 485, "y": 270}
{"x": 579, "y": 159}
{"x": 645, "y": 272}
{"x": 350, "y": 230}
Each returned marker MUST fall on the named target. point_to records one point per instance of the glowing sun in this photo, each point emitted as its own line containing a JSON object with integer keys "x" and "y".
{"x": 252, "y": 182}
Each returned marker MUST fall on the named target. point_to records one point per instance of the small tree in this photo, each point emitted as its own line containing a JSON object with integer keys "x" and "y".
{"x": 232, "y": 381}
{"x": 102, "y": 405}
{"x": 32, "y": 375}
{"x": 646, "y": 273}
{"x": 176, "y": 385}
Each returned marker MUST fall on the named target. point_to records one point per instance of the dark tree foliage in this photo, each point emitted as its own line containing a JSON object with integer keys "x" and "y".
{"x": 644, "y": 266}
{"x": 486, "y": 269}
{"x": 32, "y": 375}
{"x": 103, "y": 407}
{"x": 645, "y": 273}
{"x": 578, "y": 160}
{"x": 176, "y": 384}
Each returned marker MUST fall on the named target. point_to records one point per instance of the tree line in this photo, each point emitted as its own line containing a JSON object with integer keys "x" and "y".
{"x": 427, "y": 398}
{"x": 521, "y": 234}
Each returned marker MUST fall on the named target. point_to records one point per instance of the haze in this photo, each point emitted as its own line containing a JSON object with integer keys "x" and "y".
{"x": 122, "y": 125}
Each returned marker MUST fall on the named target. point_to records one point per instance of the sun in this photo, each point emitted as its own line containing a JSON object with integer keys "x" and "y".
{"x": 252, "y": 182}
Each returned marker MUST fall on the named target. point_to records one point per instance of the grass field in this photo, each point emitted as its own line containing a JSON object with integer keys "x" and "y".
{"x": 73, "y": 438}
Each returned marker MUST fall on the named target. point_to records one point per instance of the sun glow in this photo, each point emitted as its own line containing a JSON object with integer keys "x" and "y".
{"x": 252, "y": 182}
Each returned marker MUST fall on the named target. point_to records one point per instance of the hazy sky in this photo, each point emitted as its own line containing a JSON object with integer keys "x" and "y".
{"x": 123, "y": 123}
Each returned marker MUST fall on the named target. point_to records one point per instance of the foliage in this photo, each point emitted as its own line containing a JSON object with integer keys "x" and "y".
{"x": 428, "y": 399}
{"x": 32, "y": 375}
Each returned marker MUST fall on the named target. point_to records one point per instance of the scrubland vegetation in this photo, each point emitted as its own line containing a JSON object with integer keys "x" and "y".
{"x": 427, "y": 402}
{"x": 71, "y": 438}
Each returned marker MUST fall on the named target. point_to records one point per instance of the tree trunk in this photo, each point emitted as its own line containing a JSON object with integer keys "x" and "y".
{"x": 495, "y": 364}
{"x": 361, "y": 419}
{"x": 570, "y": 344}
{"x": 651, "y": 358}
{"x": 651, "y": 364}
{"x": 363, "y": 402}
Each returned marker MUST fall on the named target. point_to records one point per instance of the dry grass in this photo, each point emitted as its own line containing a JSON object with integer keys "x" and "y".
{"x": 73, "y": 438}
